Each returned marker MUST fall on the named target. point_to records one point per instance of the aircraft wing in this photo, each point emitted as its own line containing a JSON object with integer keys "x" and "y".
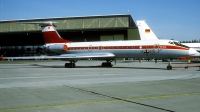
{"x": 67, "y": 56}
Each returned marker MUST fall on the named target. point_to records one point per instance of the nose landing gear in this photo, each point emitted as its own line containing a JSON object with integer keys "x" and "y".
{"x": 169, "y": 67}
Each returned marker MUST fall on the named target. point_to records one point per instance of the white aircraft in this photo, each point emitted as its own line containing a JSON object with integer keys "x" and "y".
{"x": 106, "y": 50}
{"x": 196, "y": 57}
{"x": 147, "y": 34}
{"x": 195, "y": 46}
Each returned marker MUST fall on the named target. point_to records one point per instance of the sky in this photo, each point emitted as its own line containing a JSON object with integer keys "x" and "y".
{"x": 168, "y": 19}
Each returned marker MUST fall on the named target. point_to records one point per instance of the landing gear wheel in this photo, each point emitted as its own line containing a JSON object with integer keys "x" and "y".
{"x": 70, "y": 65}
{"x": 66, "y": 65}
{"x": 105, "y": 64}
{"x": 73, "y": 65}
{"x": 169, "y": 67}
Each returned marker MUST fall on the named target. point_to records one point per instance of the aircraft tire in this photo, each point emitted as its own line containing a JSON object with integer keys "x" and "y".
{"x": 169, "y": 67}
{"x": 105, "y": 64}
{"x": 73, "y": 65}
{"x": 66, "y": 65}
{"x": 70, "y": 65}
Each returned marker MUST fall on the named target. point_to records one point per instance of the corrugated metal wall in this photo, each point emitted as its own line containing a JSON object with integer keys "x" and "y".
{"x": 68, "y": 24}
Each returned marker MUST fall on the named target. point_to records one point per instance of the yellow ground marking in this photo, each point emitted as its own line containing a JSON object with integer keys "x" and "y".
{"x": 97, "y": 102}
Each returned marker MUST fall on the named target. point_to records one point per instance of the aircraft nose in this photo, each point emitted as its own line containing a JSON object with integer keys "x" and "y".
{"x": 192, "y": 52}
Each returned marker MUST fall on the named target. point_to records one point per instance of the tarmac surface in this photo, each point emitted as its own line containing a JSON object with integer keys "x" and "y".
{"x": 128, "y": 86}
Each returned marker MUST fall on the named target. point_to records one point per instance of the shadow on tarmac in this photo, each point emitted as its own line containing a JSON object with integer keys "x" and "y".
{"x": 99, "y": 66}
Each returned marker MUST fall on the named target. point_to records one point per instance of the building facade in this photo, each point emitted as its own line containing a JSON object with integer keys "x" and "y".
{"x": 26, "y": 39}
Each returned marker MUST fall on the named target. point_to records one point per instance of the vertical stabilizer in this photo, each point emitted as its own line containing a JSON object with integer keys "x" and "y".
{"x": 145, "y": 32}
{"x": 51, "y": 35}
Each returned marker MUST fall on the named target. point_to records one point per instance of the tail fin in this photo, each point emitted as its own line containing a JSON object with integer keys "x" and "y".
{"x": 51, "y": 35}
{"x": 145, "y": 32}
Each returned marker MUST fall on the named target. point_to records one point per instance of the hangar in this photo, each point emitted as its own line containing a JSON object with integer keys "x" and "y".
{"x": 25, "y": 39}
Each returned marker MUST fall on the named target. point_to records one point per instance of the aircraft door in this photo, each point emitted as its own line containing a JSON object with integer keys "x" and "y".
{"x": 90, "y": 48}
{"x": 157, "y": 48}
{"x": 100, "y": 47}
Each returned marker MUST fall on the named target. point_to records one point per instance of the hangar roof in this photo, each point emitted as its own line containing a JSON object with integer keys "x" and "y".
{"x": 96, "y": 22}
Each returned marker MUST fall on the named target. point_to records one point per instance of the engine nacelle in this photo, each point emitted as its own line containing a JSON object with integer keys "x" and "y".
{"x": 57, "y": 48}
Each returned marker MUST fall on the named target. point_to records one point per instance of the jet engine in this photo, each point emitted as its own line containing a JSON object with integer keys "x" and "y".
{"x": 57, "y": 47}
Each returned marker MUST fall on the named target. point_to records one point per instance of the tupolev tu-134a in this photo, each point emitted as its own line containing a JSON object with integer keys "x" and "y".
{"x": 106, "y": 50}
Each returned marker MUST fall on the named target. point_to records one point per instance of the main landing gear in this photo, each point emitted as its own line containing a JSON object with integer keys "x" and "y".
{"x": 107, "y": 63}
{"x": 169, "y": 67}
{"x": 71, "y": 64}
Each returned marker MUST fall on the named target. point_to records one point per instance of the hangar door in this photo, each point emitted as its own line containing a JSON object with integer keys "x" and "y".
{"x": 111, "y": 37}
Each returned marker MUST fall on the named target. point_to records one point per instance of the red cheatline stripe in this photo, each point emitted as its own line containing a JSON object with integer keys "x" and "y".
{"x": 150, "y": 47}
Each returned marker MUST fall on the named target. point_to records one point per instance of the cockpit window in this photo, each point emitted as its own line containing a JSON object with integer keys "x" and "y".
{"x": 184, "y": 45}
{"x": 171, "y": 42}
{"x": 178, "y": 44}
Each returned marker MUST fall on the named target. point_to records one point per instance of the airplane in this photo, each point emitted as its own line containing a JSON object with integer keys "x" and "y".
{"x": 194, "y": 58}
{"x": 147, "y": 34}
{"x": 195, "y": 46}
{"x": 105, "y": 50}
